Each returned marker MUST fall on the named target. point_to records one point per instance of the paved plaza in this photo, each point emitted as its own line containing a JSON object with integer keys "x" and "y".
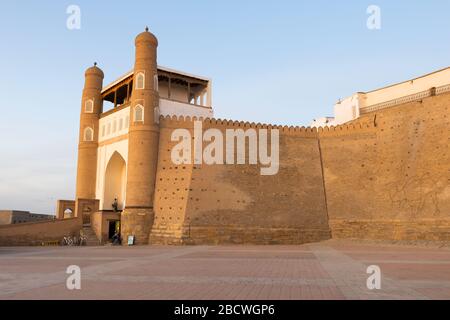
{"x": 328, "y": 270}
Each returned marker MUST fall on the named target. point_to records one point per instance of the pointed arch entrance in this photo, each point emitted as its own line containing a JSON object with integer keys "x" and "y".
{"x": 115, "y": 182}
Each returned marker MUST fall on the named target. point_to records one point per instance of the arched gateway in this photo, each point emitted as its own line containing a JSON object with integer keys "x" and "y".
{"x": 115, "y": 182}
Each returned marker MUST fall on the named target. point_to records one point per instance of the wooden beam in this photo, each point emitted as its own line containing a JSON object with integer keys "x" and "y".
{"x": 170, "y": 88}
{"x": 182, "y": 77}
{"x": 189, "y": 92}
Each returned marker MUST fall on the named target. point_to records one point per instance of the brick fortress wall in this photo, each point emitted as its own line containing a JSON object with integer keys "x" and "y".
{"x": 387, "y": 175}
{"x": 213, "y": 204}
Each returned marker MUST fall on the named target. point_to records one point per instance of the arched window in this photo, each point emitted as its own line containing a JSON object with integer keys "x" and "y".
{"x": 68, "y": 213}
{"x": 156, "y": 114}
{"x": 138, "y": 113}
{"x": 88, "y": 134}
{"x": 155, "y": 83}
{"x": 140, "y": 81}
{"x": 89, "y": 106}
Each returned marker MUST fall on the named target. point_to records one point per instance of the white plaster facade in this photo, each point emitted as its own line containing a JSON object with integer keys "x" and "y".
{"x": 170, "y": 107}
{"x": 114, "y": 125}
{"x": 104, "y": 156}
{"x": 352, "y": 107}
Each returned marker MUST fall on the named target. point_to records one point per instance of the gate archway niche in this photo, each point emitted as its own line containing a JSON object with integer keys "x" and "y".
{"x": 115, "y": 182}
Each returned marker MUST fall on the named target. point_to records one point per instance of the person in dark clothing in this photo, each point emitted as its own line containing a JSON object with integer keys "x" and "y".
{"x": 116, "y": 238}
{"x": 115, "y": 205}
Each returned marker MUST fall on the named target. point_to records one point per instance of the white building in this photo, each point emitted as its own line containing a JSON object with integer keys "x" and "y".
{"x": 360, "y": 103}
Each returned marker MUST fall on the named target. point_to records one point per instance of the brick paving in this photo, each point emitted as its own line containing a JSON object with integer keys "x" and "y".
{"x": 327, "y": 270}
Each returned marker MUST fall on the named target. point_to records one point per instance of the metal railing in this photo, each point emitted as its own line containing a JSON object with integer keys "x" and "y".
{"x": 405, "y": 99}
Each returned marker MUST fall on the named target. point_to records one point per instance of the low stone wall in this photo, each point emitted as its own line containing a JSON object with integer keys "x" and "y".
{"x": 424, "y": 229}
{"x": 35, "y": 233}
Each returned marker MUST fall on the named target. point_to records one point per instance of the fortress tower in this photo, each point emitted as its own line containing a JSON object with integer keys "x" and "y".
{"x": 120, "y": 137}
{"x": 91, "y": 108}
{"x": 143, "y": 137}
{"x": 396, "y": 148}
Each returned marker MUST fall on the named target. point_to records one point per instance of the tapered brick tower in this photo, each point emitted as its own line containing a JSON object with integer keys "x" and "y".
{"x": 143, "y": 137}
{"x": 91, "y": 108}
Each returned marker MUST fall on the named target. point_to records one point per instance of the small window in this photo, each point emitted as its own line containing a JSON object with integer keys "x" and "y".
{"x": 120, "y": 124}
{"x": 114, "y": 126}
{"x": 88, "y": 134}
{"x": 103, "y": 130}
{"x": 89, "y": 106}
{"x": 138, "y": 113}
{"x": 140, "y": 81}
{"x": 108, "y": 130}
{"x": 127, "y": 122}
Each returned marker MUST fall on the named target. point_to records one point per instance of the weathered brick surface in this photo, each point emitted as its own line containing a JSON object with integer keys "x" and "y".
{"x": 235, "y": 203}
{"x": 386, "y": 176}
{"x": 136, "y": 222}
{"x": 391, "y": 179}
{"x": 431, "y": 229}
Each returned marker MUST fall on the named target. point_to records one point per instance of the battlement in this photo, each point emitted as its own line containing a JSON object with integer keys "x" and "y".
{"x": 346, "y": 129}
{"x": 188, "y": 122}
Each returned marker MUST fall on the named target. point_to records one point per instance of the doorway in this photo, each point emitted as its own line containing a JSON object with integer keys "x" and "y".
{"x": 113, "y": 227}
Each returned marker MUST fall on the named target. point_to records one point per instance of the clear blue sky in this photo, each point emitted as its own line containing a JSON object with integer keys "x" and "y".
{"x": 283, "y": 62}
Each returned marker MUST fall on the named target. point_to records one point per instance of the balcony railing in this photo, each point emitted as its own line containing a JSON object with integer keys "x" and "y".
{"x": 405, "y": 99}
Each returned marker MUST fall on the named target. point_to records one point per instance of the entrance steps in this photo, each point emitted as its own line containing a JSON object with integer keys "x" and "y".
{"x": 91, "y": 237}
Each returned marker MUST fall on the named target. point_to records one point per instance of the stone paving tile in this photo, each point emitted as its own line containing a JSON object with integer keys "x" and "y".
{"x": 350, "y": 277}
{"x": 131, "y": 291}
{"x": 436, "y": 293}
{"x": 400, "y": 256}
{"x": 231, "y": 267}
{"x": 248, "y": 254}
{"x": 416, "y": 271}
{"x": 328, "y": 270}
{"x": 108, "y": 251}
{"x": 21, "y": 265}
{"x": 361, "y": 246}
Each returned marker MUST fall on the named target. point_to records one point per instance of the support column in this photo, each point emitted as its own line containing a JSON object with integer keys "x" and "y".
{"x": 189, "y": 92}
{"x": 169, "y": 94}
{"x": 209, "y": 98}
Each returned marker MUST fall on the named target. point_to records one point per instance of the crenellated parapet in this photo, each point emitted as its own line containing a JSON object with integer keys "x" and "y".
{"x": 346, "y": 129}
{"x": 175, "y": 122}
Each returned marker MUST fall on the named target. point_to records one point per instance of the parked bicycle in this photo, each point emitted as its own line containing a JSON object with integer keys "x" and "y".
{"x": 68, "y": 241}
{"x": 74, "y": 241}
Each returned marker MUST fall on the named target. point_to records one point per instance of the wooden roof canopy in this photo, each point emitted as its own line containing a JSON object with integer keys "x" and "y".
{"x": 119, "y": 91}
